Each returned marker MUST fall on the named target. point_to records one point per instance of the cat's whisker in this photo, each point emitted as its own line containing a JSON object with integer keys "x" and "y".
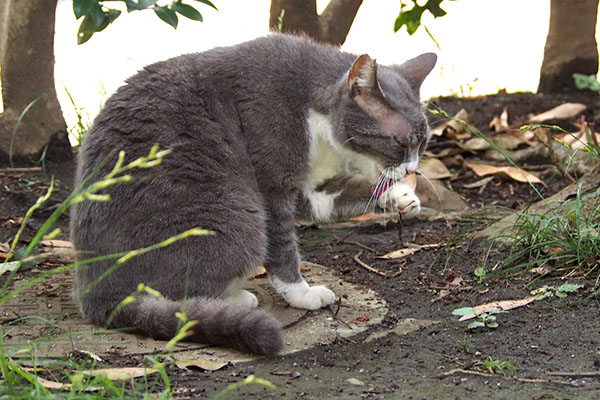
{"x": 375, "y": 192}
{"x": 349, "y": 139}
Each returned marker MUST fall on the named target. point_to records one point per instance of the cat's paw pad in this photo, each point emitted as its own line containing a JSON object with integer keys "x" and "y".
{"x": 243, "y": 298}
{"x": 301, "y": 295}
{"x": 400, "y": 197}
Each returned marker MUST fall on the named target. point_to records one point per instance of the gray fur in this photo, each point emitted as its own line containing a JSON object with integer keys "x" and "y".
{"x": 236, "y": 121}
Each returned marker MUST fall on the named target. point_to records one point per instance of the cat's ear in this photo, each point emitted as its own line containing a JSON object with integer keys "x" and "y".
{"x": 416, "y": 69}
{"x": 362, "y": 77}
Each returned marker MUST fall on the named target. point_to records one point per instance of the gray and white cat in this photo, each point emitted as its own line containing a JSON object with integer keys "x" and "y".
{"x": 260, "y": 133}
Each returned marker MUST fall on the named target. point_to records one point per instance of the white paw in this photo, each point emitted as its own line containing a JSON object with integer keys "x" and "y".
{"x": 243, "y": 298}
{"x": 400, "y": 197}
{"x": 301, "y": 295}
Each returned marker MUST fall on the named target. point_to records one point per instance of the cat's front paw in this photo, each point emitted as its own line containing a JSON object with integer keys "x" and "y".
{"x": 401, "y": 197}
{"x": 301, "y": 295}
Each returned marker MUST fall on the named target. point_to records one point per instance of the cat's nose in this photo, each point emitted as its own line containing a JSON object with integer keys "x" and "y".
{"x": 410, "y": 171}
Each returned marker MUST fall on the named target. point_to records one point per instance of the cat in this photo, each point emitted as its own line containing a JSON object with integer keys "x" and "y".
{"x": 261, "y": 133}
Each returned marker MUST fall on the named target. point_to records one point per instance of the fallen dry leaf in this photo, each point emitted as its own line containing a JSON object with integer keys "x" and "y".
{"x": 501, "y": 123}
{"x": 519, "y": 175}
{"x": 452, "y": 128}
{"x": 365, "y": 217}
{"x": 564, "y": 111}
{"x": 206, "y": 365}
{"x": 63, "y": 386}
{"x": 57, "y": 243}
{"x": 433, "y": 168}
{"x": 120, "y": 374}
{"x": 502, "y": 305}
{"x": 408, "y": 251}
{"x": 474, "y": 144}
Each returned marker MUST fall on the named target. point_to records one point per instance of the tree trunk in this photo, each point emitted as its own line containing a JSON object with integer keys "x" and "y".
{"x": 32, "y": 117}
{"x": 332, "y": 26}
{"x": 570, "y": 46}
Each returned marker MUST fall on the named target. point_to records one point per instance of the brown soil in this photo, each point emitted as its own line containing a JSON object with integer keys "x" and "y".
{"x": 438, "y": 361}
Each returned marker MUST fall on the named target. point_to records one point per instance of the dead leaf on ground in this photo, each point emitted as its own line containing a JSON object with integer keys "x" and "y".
{"x": 408, "y": 251}
{"x": 581, "y": 138}
{"x": 564, "y": 111}
{"x": 474, "y": 144}
{"x": 57, "y": 243}
{"x": 120, "y": 374}
{"x": 519, "y": 175}
{"x": 452, "y": 128}
{"x": 501, "y": 123}
{"x": 433, "y": 168}
{"x": 206, "y": 365}
{"x": 502, "y": 305}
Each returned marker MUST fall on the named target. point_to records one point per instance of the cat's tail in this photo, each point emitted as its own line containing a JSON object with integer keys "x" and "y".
{"x": 218, "y": 322}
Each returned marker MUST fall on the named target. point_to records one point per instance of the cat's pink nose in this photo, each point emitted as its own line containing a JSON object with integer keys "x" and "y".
{"x": 410, "y": 171}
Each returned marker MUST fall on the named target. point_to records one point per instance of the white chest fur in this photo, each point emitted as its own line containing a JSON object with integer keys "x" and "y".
{"x": 329, "y": 158}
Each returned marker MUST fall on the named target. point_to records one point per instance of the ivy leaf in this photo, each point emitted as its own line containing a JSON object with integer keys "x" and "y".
{"x": 208, "y": 3}
{"x": 187, "y": 11}
{"x": 167, "y": 15}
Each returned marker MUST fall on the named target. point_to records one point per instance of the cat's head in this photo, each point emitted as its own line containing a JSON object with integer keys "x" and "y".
{"x": 380, "y": 114}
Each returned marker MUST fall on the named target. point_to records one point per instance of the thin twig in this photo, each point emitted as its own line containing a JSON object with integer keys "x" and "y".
{"x": 592, "y": 374}
{"x": 343, "y": 240}
{"x": 32, "y": 169}
{"x": 555, "y": 159}
{"x": 367, "y": 266}
{"x": 509, "y": 378}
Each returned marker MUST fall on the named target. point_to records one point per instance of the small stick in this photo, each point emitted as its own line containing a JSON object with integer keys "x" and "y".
{"x": 400, "y": 225}
{"x": 339, "y": 240}
{"x": 525, "y": 380}
{"x": 32, "y": 169}
{"x": 592, "y": 374}
{"x": 555, "y": 159}
{"x": 367, "y": 266}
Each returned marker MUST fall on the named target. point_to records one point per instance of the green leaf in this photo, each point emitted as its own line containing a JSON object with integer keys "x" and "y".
{"x": 434, "y": 8}
{"x": 87, "y": 28}
{"x": 167, "y": 15}
{"x": 187, "y": 11}
{"x": 475, "y": 324}
{"x": 491, "y": 324}
{"x": 82, "y": 7}
{"x": 139, "y": 5}
{"x": 464, "y": 311}
{"x": 208, "y": 3}
{"x": 568, "y": 288}
{"x": 479, "y": 272}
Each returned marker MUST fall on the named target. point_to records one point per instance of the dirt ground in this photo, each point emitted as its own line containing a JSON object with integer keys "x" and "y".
{"x": 553, "y": 345}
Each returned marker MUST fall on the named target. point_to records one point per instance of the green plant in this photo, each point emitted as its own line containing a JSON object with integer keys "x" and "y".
{"x": 567, "y": 239}
{"x": 411, "y": 16}
{"x": 562, "y": 291}
{"x": 497, "y": 366}
{"x": 482, "y": 320}
{"x": 97, "y": 15}
{"x": 589, "y": 82}
{"x": 82, "y": 125}
{"x": 464, "y": 343}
